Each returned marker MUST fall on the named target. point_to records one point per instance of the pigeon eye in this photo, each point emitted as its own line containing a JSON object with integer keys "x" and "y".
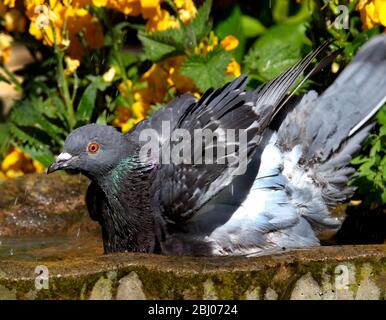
{"x": 93, "y": 147}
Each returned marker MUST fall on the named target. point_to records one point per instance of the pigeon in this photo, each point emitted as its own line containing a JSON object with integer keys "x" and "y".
{"x": 297, "y": 153}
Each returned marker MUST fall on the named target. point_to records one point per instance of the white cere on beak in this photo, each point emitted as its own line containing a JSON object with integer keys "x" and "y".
{"x": 64, "y": 156}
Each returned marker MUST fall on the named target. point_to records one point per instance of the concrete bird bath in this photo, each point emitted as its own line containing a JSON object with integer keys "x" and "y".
{"x": 51, "y": 249}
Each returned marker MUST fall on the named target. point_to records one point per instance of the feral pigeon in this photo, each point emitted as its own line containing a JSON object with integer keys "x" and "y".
{"x": 195, "y": 204}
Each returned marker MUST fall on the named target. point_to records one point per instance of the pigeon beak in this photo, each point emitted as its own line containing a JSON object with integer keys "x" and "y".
{"x": 61, "y": 162}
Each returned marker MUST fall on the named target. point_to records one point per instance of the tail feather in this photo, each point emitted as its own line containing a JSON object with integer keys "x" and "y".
{"x": 329, "y": 127}
{"x": 355, "y": 96}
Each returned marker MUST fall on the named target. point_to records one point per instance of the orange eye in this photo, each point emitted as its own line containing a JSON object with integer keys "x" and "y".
{"x": 93, "y": 147}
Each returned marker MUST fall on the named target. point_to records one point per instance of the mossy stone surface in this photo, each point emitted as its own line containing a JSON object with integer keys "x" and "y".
{"x": 309, "y": 274}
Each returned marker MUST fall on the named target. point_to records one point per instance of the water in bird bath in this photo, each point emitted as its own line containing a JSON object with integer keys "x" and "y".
{"x": 51, "y": 248}
{"x": 45, "y": 218}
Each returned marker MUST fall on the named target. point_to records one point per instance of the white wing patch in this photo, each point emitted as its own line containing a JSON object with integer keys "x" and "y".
{"x": 277, "y": 211}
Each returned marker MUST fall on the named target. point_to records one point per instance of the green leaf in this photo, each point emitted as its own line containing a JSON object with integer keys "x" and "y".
{"x": 383, "y": 169}
{"x": 29, "y": 135}
{"x": 365, "y": 168}
{"x": 102, "y": 118}
{"x": 57, "y": 109}
{"x": 87, "y": 101}
{"x": 381, "y": 116}
{"x": 207, "y": 72}
{"x": 4, "y": 138}
{"x": 41, "y": 153}
{"x": 170, "y": 42}
{"x": 201, "y": 24}
{"x": 304, "y": 13}
{"x": 179, "y": 38}
{"x": 280, "y": 10}
{"x": 31, "y": 114}
{"x": 375, "y": 148}
{"x": 127, "y": 58}
{"x": 154, "y": 49}
{"x": 232, "y": 26}
{"x": 358, "y": 160}
{"x": 251, "y": 26}
{"x": 276, "y": 50}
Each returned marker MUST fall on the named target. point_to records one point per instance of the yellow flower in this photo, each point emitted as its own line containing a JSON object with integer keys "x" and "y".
{"x": 229, "y": 43}
{"x": 162, "y": 20}
{"x": 186, "y": 10}
{"x": 13, "y": 173}
{"x": 39, "y": 168}
{"x": 380, "y": 7}
{"x": 335, "y": 67}
{"x": 138, "y": 110}
{"x": 372, "y": 12}
{"x": 128, "y": 7}
{"x": 149, "y": 8}
{"x": 355, "y": 202}
{"x": 3, "y": 9}
{"x": 99, "y": 3}
{"x": 11, "y": 159}
{"x": 16, "y": 163}
{"x": 9, "y": 3}
{"x": 5, "y": 47}
{"x": 175, "y": 79}
{"x": 156, "y": 80}
{"x": 207, "y": 45}
{"x": 123, "y": 115}
{"x": 127, "y": 125}
{"x": 71, "y": 65}
{"x": 124, "y": 87}
{"x": 233, "y": 69}
{"x": 109, "y": 75}
{"x": 63, "y": 23}
{"x": 46, "y": 23}
{"x": 127, "y": 118}
{"x": 14, "y": 21}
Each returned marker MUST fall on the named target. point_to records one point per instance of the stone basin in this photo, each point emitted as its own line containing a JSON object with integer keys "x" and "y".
{"x": 51, "y": 249}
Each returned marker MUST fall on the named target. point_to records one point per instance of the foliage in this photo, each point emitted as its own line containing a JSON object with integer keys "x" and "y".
{"x": 87, "y": 68}
{"x": 117, "y": 62}
{"x": 371, "y": 175}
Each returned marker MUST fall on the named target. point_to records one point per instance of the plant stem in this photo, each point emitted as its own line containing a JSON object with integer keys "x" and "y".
{"x": 117, "y": 54}
{"x": 12, "y": 78}
{"x": 75, "y": 88}
{"x": 63, "y": 85}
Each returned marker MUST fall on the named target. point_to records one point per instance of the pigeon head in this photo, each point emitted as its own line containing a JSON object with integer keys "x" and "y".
{"x": 92, "y": 150}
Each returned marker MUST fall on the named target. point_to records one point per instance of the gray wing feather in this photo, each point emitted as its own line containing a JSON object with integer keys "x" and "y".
{"x": 328, "y": 127}
{"x": 186, "y": 188}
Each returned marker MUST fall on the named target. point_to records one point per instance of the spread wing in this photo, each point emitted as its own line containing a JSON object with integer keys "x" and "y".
{"x": 181, "y": 188}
